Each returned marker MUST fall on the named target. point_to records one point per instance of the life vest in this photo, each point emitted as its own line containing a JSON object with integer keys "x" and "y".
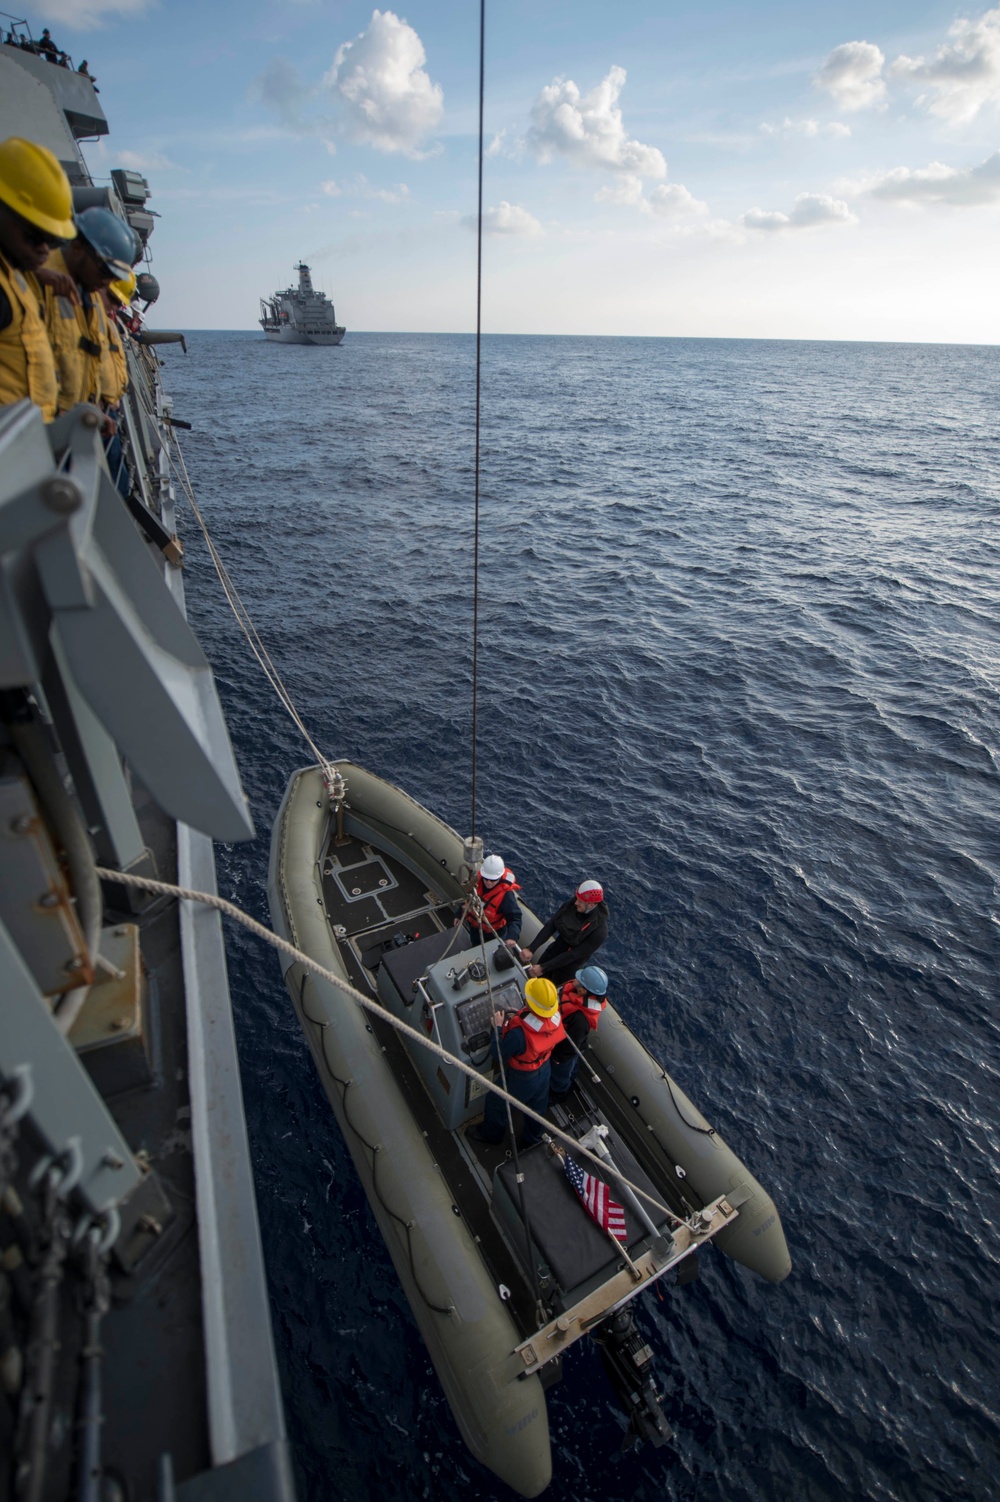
{"x": 493, "y": 919}
{"x": 572, "y": 999}
{"x": 76, "y": 339}
{"x": 114, "y": 370}
{"x": 542, "y": 1035}
{"x": 27, "y": 367}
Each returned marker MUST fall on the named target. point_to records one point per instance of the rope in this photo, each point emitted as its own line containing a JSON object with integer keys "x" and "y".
{"x": 232, "y": 594}
{"x": 211, "y": 899}
{"x": 479, "y": 349}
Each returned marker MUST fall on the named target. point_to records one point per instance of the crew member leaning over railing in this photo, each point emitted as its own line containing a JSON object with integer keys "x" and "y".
{"x": 36, "y": 216}
{"x": 115, "y": 301}
{"x": 73, "y": 278}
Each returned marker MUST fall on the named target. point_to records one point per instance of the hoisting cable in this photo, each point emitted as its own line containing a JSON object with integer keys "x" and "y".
{"x": 479, "y": 349}
{"x": 212, "y": 899}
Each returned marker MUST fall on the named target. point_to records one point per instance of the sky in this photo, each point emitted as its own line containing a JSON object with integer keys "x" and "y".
{"x": 778, "y": 170}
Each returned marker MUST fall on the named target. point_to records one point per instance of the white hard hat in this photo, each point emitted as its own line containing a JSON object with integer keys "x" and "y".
{"x": 493, "y": 868}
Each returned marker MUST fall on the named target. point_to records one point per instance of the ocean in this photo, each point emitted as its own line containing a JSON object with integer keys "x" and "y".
{"x": 739, "y": 661}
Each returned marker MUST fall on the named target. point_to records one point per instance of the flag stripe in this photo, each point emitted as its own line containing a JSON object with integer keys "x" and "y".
{"x": 597, "y": 1200}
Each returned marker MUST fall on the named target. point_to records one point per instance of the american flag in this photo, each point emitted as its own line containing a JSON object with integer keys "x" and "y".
{"x": 597, "y": 1200}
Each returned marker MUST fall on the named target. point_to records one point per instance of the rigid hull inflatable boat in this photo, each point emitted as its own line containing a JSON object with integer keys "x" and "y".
{"x": 367, "y": 885}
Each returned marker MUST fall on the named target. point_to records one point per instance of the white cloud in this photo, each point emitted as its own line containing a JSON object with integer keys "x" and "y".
{"x": 853, "y": 75}
{"x": 505, "y": 219}
{"x": 627, "y": 190}
{"x": 961, "y": 187}
{"x": 83, "y": 15}
{"x": 673, "y": 199}
{"x": 811, "y": 210}
{"x": 146, "y": 161}
{"x": 589, "y": 129}
{"x": 964, "y": 75}
{"x": 495, "y": 148}
{"x": 387, "y": 96}
{"x": 362, "y": 188}
{"x": 789, "y": 127}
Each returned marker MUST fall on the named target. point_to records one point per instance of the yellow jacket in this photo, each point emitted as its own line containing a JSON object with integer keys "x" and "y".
{"x": 75, "y": 336}
{"x": 27, "y": 367}
{"x": 114, "y": 369}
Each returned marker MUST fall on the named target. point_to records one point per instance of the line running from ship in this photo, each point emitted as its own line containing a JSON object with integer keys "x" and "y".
{"x": 230, "y": 910}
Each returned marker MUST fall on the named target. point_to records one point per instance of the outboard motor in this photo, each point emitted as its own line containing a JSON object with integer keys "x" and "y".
{"x": 628, "y": 1366}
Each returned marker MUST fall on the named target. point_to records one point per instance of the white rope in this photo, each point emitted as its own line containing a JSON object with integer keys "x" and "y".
{"x": 211, "y": 899}
{"x": 232, "y": 594}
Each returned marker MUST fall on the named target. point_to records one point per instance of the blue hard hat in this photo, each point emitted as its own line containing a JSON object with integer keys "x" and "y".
{"x": 593, "y": 980}
{"x": 111, "y": 238}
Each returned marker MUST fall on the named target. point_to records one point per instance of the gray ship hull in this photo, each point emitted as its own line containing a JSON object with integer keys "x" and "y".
{"x": 293, "y": 336}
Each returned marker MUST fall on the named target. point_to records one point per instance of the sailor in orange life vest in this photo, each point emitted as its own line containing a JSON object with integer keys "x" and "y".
{"x": 526, "y": 1041}
{"x": 572, "y": 935}
{"x": 502, "y": 914}
{"x": 581, "y": 1002}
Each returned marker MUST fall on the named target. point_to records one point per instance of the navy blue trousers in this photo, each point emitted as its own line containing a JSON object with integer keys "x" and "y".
{"x": 531, "y": 1087}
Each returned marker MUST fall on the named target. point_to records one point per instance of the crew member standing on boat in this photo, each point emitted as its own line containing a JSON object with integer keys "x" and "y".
{"x": 501, "y": 912}
{"x": 526, "y": 1040}
{"x": 36, "y": 215}
{"x": 581, "y": 1002}
{"x": 571, "y": 936}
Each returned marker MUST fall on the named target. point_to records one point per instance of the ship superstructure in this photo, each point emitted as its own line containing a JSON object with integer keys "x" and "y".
{"x": 300, "y": 315}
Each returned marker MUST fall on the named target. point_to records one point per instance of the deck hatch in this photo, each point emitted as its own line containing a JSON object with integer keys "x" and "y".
{"x": 369, "y": 878}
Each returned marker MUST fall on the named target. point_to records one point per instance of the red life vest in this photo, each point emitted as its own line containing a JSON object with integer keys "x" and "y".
{"x": 494, "y": 921}
{"x": 542, "y": 1035}
{"x": 572, "y": 999}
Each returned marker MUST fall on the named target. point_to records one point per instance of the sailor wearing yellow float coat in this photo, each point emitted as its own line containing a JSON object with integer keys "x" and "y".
{"x": 114, "y": 367}
{"x": 36, "y": 214}
{"x": 75, "y": 318}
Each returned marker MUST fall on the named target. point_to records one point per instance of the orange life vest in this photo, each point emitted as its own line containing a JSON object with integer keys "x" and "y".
{"x": 572, "y": 999}
{"x": 493, "y": 919}
{"x": 542, "y": 1035}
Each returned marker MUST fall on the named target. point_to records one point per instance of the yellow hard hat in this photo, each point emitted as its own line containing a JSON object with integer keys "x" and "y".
{"x": 542, "y": 997}
{"x": 33, "y": 184}
{"x": 123, "y": 288}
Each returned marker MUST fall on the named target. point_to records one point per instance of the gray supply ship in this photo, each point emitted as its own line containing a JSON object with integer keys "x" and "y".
{"x": 300, "y": 315}
{"x": 136, "y": 1358}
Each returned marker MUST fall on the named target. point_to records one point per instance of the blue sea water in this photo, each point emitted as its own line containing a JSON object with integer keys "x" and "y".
{"x": 741, "y": 661}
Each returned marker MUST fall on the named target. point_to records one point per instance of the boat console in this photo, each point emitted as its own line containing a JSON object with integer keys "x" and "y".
{"x": 439, "y": 983}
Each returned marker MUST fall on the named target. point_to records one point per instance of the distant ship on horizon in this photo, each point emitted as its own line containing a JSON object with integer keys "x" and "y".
{"x": 300, "y": 315}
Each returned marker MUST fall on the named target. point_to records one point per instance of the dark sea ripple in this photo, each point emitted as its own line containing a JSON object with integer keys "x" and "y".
{"x": 740, "y": 661}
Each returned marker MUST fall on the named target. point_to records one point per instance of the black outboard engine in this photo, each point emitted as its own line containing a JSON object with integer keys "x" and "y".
{"x": 628, "y": 1366}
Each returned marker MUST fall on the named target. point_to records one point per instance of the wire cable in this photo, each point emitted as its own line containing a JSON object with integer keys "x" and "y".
{"x": 479, "y": 365}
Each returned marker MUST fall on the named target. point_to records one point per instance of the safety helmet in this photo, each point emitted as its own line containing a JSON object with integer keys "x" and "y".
{"x": 110, "y": 238}
{"x": 492, "y": 868}
{"x": 593, "y": 979}
{"x": 123, "y": 289}
{"x": 590, "y": 891}
{"x": 542, "y": 996}
{"x": 147, "y": 286}
{"x": 33, "y": 184}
